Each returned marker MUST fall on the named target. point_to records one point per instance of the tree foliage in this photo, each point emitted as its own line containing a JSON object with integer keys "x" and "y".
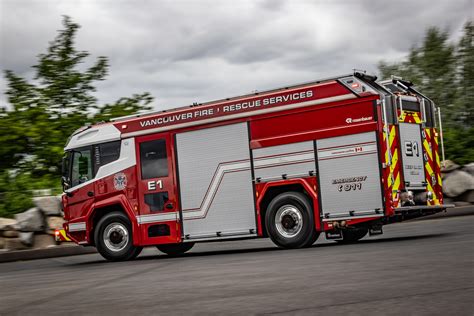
{"x": 45, "y": 111}
{"x": 445, "y": 72}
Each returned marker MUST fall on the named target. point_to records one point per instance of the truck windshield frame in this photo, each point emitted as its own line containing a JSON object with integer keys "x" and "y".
{"x": 97, "y": 156}
{"x": 66, "y": 170}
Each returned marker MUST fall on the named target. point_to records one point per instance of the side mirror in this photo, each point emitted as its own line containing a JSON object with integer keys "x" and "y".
{"x": 64, "y": 183}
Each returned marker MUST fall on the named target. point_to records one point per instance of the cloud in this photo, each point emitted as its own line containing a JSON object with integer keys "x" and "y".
{"x": 187, "y": 51}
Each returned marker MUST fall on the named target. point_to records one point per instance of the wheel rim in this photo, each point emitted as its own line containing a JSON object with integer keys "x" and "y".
{"x": 116, "y": 237}
{"x": 289, "y": 221}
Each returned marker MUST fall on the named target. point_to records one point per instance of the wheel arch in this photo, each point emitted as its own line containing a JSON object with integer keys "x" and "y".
{"x": 268, "y": 191}
{"x": 114, "y": 204}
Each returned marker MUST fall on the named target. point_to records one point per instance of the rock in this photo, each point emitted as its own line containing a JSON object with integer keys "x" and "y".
{"x": 31, "y": 221}
{"x": 27, "y": 238}
{"x": 14, "y": 244}
{"x": 54, "y": 222}
{"x": 10, "y": 234}
{"x": 448, "y": 166}
{"x": 2, "y": 242}
{"x": 457, "y": 182}
{"x": 447, "y": 200}
{"x": 467, "y": 197}
{"x": 469, "y": 168}
{"x": 50, "y": 205}
{"x": 461, "y": 203}
{"x": 44, "y": 241}
{"x": 6, "y": 223}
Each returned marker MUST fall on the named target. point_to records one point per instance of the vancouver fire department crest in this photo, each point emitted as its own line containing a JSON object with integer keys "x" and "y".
{"x": 120, "y": 181}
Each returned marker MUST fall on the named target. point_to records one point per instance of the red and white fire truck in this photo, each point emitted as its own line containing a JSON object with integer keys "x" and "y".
{"x": 342, "y": 156}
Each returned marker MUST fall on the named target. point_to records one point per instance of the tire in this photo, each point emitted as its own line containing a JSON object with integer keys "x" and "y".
{"x": 289, "y": 221}
{"x": 113, "y": 238}
{"x": 175, "y": 249}
{"x": 352, "y": 235}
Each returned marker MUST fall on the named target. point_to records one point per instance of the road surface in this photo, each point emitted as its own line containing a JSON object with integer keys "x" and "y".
{"x": 415, "y": 268}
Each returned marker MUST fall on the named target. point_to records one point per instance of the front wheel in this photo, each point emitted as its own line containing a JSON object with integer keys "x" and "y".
{"x": 290, "y": 222}
{"x": 113, "y": 238}
{"x": 175, "y": 249}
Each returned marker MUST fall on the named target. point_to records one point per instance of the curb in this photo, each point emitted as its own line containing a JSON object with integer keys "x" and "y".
{"x": 44, "y": 253}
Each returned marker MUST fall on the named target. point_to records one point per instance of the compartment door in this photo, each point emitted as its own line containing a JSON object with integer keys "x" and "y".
{"x": 349, "y": 176}
{"x": 215, "y": 182}
{"x": 158, "y": 199}
{"x": 412, "y": 155}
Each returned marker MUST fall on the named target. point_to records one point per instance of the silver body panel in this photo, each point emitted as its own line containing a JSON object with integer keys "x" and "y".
{"x": 412, "y": 154}
{"x": 215, "y": 181}
{"x": 349, "y": 176}
{"x": 292, "y": 160}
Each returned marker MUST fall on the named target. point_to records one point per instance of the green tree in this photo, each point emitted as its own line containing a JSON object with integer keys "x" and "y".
{"x": 465, "y": 75}
{"x": 43, "y": 113}
{"x": 431, "y": 67}
{"x": 444, "y": 72}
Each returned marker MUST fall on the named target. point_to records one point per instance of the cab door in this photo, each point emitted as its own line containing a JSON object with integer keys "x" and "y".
{"x": 158, "y": 196}
{"x": 80, "y": 195}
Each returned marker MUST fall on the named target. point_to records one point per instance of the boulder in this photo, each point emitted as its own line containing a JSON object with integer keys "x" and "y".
{"x": 50, "y": 205}
{"x": 54, "y": 222}
{"x": 448, "y": 166}
{"x": 467, "y": 196}
{"x": 469, "y": 168}
{"x": 31, "y": 221}
{"x": 7, "y": 223}
{"x": 44, "y": 241}
{"x": 457, "y": 182}
{"x": 461, "y": 203}
{"x": 10, "y": 234}
{"x": 27, "y": 238}
{"x": 14, "y": 244}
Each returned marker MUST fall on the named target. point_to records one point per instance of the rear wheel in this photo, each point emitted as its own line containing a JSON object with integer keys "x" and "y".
{"x": 175, "y": 249}
{"x": 290, "y": 222}
{"x": 352, "y": 235}
{"x": 113, "y": 238}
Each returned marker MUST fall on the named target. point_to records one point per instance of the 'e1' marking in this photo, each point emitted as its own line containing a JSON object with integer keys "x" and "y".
{"x": 152, "y": 185}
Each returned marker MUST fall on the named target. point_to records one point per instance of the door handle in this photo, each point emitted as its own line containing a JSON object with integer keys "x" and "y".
{"x": 90, "y": 193}
{"x": 169, "y": 206}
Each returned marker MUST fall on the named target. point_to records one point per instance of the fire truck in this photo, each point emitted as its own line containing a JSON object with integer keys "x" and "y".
{"x": 341, "y": 156}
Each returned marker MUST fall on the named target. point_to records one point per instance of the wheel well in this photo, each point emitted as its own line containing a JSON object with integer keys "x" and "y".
{"x": 271, "y": 193}
{"x": 101, "y": 212}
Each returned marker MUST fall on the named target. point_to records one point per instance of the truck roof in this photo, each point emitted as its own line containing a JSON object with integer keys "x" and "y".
{"x": 300, "y": 95}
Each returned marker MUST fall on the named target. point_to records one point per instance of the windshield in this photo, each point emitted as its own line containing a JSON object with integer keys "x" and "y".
{"x": 66, "y": 171}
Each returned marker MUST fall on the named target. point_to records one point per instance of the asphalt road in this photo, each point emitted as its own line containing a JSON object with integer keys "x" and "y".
{"x": 415, "y": 268}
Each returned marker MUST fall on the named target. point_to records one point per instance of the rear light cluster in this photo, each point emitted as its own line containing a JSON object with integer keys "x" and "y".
{"x": 354, "y": 85}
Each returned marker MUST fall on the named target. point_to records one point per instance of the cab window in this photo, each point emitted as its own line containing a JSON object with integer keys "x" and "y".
{"x": 106, "y": 153}
{"x": 153, "y": 159}
{"x": 81, "y": 166}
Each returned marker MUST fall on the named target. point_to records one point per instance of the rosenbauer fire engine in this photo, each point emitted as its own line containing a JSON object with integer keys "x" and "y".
{"x": 342, "y": 156}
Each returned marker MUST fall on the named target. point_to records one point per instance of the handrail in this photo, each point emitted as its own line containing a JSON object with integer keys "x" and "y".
{"x": 387, "y": 134}
{"x": 441, "y": 134}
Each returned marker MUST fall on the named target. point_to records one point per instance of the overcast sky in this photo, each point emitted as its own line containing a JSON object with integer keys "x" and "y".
{"x": 196, "y": 51}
